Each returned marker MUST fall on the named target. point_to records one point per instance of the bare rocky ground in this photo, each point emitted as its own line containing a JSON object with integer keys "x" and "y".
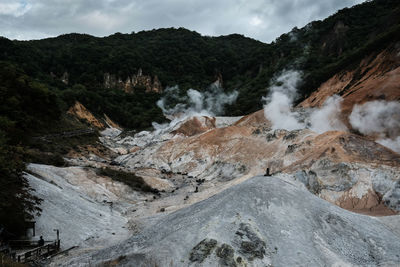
{"x": 263, "y": 221}
{"x": 210, "y": 211}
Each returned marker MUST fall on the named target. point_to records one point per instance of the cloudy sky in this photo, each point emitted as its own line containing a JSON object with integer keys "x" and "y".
{"x": 260, "y": 19}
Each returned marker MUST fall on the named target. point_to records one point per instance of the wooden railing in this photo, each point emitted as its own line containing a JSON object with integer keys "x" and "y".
{"x": 20, "y": 244}
{"x": 37, "y": 253}
{"x": 65, "y": 134}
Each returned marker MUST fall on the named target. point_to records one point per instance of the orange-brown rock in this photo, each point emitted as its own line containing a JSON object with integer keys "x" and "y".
{"x": 80, "y": 112}
{"x": 376, "y": 77}
{"x": 255, "y": 119}
{"x": 341, "y": 147}
{"x": 135, "y": 81}
{"x": 370, "y": 204}
{"x": 111, "y": 122}
{"x": 195, "y": 125}
{"x": 281, "y": 151}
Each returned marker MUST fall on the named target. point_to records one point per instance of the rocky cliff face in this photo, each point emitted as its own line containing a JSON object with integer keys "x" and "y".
{"x": 377, "y": 77}
{"x": 80, "y": 112}
{"x": 151, "y": 84}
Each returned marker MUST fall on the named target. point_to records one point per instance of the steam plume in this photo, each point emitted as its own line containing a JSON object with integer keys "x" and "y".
{"x": 208, "y": 103}
{"x": 279, "y": 107}
{"x": 379, "y": 118}
{"x": 327, "y": 118}
{"x": 280, "y": 101}
{"x": 194, "y": 103}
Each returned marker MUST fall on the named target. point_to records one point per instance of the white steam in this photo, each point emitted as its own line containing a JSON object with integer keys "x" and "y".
{"x": 393, "y": 144}
{"x": 280, "y": 101}
{"x": 208, "y": 103}
{"x": 379, "y": 118}
{"x": 279, "y": 108}
{"x": 193, "y": 103}
{"x": 376, "y": 117}
{"x": 327, "y": 118}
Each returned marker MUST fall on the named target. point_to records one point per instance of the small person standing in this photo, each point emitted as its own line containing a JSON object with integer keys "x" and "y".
{"x": 41, "y": 241}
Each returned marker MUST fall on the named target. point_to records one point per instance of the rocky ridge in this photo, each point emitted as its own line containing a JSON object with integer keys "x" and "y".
{"x": 134, "y": 81}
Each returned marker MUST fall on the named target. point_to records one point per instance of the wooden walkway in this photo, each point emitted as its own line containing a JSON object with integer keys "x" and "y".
{"x": 37, "y": 253}
{"x": 66, "y": 134}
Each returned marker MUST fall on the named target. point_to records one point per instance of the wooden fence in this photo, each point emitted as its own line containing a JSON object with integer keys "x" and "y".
{"x": 37, "y": 253}
{"x": 66, "y": 134}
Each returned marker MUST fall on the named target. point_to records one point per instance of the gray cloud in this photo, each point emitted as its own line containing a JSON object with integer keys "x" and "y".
{"x": 260, "y": 19}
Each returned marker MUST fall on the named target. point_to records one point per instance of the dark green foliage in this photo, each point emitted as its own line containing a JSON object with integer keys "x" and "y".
{"x": 49, "y": 145}
{"x": 48, "y": 158}
{"x": 135, "y": 182}
{"x": 17, "y": 203}
{"x": 26, "y": 106}
{"x": 322, "y": 48}
{"x": 185, "y": 58}
{"x": 136, "y": 111}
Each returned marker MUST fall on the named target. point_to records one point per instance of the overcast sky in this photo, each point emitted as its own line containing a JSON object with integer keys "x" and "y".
{"x": 260, "y": 19}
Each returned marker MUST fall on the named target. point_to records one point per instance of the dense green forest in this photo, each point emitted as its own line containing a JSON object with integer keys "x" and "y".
{"x": 26, "y": 107}
{"x": 185, "y": 58}
{"x": 34, "y": 97}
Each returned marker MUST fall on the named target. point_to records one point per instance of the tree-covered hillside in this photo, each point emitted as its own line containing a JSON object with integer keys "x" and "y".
{"x": 185, "y": 58}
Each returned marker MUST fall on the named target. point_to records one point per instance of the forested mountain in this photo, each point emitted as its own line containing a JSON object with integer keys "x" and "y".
{"x": 185, "y": 58}
{"x": 40, "y": 79}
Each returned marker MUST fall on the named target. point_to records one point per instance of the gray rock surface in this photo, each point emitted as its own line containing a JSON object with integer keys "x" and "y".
{"x": 263, "y": 221}
{"x": 392, "y": 197}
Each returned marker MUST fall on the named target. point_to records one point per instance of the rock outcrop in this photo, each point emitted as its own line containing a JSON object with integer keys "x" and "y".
{"x": 195, "y": 125}
{"x": 80, "y": 112}
{"x": 109, "y": 127}
{"x": 133, "y": 82}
